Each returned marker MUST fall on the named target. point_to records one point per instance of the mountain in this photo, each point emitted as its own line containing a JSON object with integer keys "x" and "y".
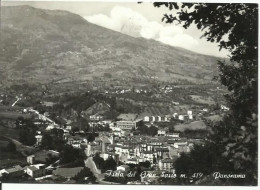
{"x": 44, "y": 46}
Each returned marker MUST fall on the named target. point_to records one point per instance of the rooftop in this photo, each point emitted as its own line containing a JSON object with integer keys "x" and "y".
{"x": 14, "y": 169}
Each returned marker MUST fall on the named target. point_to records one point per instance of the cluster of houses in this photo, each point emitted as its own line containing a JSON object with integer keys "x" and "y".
{"x": 161, "y": 151}
{"x": 167, "y": 118}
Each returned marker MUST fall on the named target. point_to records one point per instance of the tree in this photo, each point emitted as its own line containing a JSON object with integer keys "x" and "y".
{"x": 46, "y": 141}
{"x": 100, "y": 163}
{"x": 71, "y": 155}
{"x": 235, "y": 28}
{"x": 81, "y": 176}
{"x": 110, "y": 164}
{"x": 90, "y": 137}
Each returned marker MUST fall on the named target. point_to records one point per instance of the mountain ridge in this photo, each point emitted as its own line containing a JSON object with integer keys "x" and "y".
{"x": 40, "y": 45}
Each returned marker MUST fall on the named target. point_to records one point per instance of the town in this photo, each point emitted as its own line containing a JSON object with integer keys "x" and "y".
{"x": 98, "y": 142}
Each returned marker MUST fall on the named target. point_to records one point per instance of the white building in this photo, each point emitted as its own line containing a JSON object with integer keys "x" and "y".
{"x": 189, "y": 112}
{"x": 161, "y": 132}
{"x": 124, "y": 168}
{"x": 147, "y": 118}
{"x": 181, "y": 117}
{"x": 36, "y": 170}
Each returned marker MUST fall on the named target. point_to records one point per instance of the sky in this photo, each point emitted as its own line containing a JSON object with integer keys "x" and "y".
{"x": 138, "y": 20}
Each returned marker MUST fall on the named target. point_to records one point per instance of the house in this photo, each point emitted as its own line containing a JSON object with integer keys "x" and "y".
{"x": 167, "y": 118}
{"x": 127, "y": 124}
{"x": 124, "y": 168}
{"x": 31, "y": 159}
{"x": 36, "y": 170}
{"x": 175, "y": 135}
{"x": 158, "y": 118}
{"x": 94, "y": 148}
{"x": 74, "y": 140}
{"x": 96, "y": 117}
{"x": 161, "y": 132}
{"x": 183, "y": 117}
{"x": 224, "y": 108}
{"x": 162, "y": 152}
{"x": 147, "y": 156}
{"x": 38, "y": 140}
{"x": 67, "y": 172}
{"x": 177, "y": 148}
{"x": 118, "y": 149}
{"x": 175, "y": 115}
{"x": 132, "y": 161}
{"x": 166, "y": 164}
{"x": 15, "y": 171}
{"x": 189, "y": 112}
{"x": 146, "y": 118}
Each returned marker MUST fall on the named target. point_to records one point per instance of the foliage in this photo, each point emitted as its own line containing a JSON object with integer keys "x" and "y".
{"x": 109, "y": 164}
{"x": 27, "y": 132}
{"x": 235, "y": 28}
{"x": 53, "y": 139}
{"x": 145, "y": 164}
{"x": 80, "y": 177}
{"x": 72, "y": 155}
{"x": 144, "y": 130}
{"x": 10, "y": 147}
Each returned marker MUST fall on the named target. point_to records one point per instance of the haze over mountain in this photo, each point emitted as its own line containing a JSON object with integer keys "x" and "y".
{"x": 41, "y": 46}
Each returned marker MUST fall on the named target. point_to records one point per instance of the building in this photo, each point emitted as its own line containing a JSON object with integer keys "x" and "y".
{"x": 181, "y": 117}
{"x": 94, "y": 148}
{"x": 175, "y": 135}
{"x": 127, "y": 124}
{"x": 15, "y": 171}
{"x": 175, "y": 115}
{"x": 124, "y": 168}
{"x": 189, "y": 112}
{"x": 31, "y": 159}
{"x": 166, "y": 164}
{"x": 147, "y": 156}
{"x": 167, "y": 118}
{"x": 146, "y": 118}
{"x": 161, "y": 132}
{"x": 35, "y": 171}
{"x": 162, "y": 152}
{"x": 96, "y": 117}
{"x": 38, "y": 140}
{"x": 132, "y": 161}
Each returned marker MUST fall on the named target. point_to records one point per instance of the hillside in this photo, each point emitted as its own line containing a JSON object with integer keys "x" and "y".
{"x": 44, "y": 46}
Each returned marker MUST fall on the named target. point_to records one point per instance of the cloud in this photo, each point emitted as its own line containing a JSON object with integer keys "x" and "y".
{"x": 132, "y": 23}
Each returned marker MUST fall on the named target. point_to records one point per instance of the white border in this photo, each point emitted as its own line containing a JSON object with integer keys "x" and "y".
{"x": 11, "y": 186}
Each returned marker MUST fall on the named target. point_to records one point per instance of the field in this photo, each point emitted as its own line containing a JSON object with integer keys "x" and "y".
{"x": 8, "y": 159}
{"x": 7, "y": 129}
{"x": 191, "y": 126}
{"x": 13, "y": 115}
{"x": 214, "y": 118}
{"x": 10, "y": 134}
{"x": 163, "y": 110}
{"x": 202, "y": 99}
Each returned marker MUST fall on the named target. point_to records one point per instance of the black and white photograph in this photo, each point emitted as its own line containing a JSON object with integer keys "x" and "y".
{"x": 129, "y": 93}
